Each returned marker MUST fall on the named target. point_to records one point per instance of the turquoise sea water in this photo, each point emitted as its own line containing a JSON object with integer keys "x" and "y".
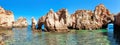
{"x": 25, "y": 36}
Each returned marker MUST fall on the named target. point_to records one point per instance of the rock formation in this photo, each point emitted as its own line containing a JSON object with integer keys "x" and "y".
{"x": 86, "y": 19}
{"x": 34, "y": 23}
{"x": 117, "y": 23}
{"x": 55, "y": 22}
{"x": 21, "y": 22}
{"x": 61, "y": 21}
{"x": 82, "y": 19}
{"x": 102, "y": 15}
{"x": 117, "y": 27}
{"x": 6, "y": 19}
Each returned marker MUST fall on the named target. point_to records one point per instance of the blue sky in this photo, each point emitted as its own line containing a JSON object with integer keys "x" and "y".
{"x": 38, "y": 8}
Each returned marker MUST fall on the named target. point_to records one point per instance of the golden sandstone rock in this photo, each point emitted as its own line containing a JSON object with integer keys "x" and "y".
{"x": 53, "y": 22}
{"x": 6, "y": 19}
{"x": 34, "y": 23}
{"x": 61, "y": 21}
{"x": 21, "y": 22}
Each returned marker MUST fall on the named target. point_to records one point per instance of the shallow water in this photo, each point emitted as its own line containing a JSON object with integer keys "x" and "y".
{"x": 25, "y": 36}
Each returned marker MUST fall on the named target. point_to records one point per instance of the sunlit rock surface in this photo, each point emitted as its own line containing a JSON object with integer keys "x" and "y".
{"x": 86, "y": 19}
{"x": 34, "y": 23}
{"x": 55, "y": 22}
{"x": 21, "y": 22}
{"x": 6, "y": 19}
{"x": 103, "y": 15}
{"x": 81, "y": 19}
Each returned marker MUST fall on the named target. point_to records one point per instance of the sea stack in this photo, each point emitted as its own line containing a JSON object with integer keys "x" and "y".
{"x": 20, "y": 23}
{"x": 61, "y": 21}
{"x": 34, "y": 23}
{"x": 6, "y": 19}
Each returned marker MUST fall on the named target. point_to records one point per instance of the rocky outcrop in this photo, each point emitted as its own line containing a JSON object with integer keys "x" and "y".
{"x": 54, "y": 22}
{"x": 41, "y": 22}
{"x": 34, "y": 23}
{"x": 117, "y": 23}
{"x": 102, "y": 15}
{"x": 6, "y": 19}
{"x": 86, "y": 19}
{"x": 117, "y": 27}
{"x": 81, "y": 19}
{"x": 21, "y": 22}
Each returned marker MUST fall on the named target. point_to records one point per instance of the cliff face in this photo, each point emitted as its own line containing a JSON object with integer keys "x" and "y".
{"x": 83, "y": 19}
{"x": 21, "y": 22}
{"x": 117, "y": 23}
{"x": 61, "y": 21}
{"x": 86, "y": 19}
{"x": 55, "y": 22}
{"x": 6, "y": 18}
{"x": 117, "y": 27}
{"x": 103, "y": 15}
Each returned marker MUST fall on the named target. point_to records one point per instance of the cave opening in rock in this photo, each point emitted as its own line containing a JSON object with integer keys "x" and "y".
{"x": 42, "y": 27}
{"x": 110, "y": 26}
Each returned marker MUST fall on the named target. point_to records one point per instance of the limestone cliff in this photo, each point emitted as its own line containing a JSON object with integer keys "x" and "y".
{"x": 61, "y": 21}
{"x": 6, "y": 18}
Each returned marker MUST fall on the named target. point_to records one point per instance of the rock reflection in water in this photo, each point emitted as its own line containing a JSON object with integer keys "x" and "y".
{"x": 111, "y": 38}
{"x": 74, "y": 38}
{"x": 59, "y": 39}
{"x": 5, "y": 35}
{"x": 21, "y": 36}
{"x": 117, "y": 34}
{"x": 117, "y": 37}
{"x": 25, "y": 36}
